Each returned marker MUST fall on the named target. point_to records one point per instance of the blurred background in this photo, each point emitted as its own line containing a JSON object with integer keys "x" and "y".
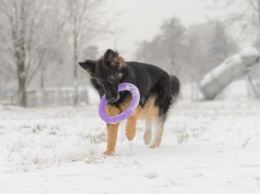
{"x": 42, "y": 41}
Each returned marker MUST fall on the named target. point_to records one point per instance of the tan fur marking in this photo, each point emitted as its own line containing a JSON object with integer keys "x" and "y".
{"x": 131, "y": 123}
{"x": 124, "y": 105}
{"x": 158, "y": 133}
{"x": 119, "y": 61}
{"x": 150, "y": 111}
{"x": 89, "y": 74}
{"x": 112, "y": 130}
{"x": 148, "y": 132}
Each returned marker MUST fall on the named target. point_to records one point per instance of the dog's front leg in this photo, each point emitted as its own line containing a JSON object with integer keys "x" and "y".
{"x": 131, "y": 123}
{"x": 112, "y": 130}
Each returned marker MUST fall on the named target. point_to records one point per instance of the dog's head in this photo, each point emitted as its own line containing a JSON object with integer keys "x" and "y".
{"x": 106, "y": 73}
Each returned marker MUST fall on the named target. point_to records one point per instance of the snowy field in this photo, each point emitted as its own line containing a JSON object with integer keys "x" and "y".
{"x": 208, "y": 147}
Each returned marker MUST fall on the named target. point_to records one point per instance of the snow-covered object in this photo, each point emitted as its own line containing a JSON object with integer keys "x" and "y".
{"x": 230, "y": 69}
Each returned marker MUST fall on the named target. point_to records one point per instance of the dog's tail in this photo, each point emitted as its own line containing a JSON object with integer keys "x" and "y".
{"x": 175, "y": 87}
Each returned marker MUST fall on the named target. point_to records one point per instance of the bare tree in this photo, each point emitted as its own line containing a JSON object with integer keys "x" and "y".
{"x": 25, "y": 30}
{"x": 242, "y": 19}
{"x": 174, "y": 35}
{"x": 84, "y": 21}
{"x": 189, "y": 53}
{"x": 167, "y": 48}
{"x": 241, "y": 16}
{"x": 221, "y": 45}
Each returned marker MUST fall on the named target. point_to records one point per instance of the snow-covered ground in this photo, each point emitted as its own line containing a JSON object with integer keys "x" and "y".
{"x": 208, "y": 147}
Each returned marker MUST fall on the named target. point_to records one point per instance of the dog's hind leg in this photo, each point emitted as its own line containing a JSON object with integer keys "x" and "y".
{"x": 159, "y": 122}
{"x": 131, "y": 124}
{"x": 148, "y": 132}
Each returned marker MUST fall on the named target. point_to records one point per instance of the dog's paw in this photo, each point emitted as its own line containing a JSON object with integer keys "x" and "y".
{"x": 147, "y": 137}
{"x": 155, "y": 145}
{"x": 109, "y": 153}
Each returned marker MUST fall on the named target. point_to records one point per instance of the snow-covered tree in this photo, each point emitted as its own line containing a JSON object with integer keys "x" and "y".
{"x": 221, "y": 45}
{"x": 27, "y": 30}
{"x": 166, "y": 49}
{"x": 189, "y": 53}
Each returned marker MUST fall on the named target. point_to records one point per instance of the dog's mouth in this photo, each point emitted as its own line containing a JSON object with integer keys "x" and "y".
{"x": 114, "y": 99}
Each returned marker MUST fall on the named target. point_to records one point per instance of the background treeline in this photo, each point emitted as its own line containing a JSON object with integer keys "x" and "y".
{"x": 188, "y": 52}
{"x": 41, "y": 42}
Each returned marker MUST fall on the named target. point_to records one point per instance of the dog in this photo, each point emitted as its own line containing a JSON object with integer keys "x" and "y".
{"x": 158, "y": 91}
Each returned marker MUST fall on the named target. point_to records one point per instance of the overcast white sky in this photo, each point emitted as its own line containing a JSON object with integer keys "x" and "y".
{"x": 141, "y": 20}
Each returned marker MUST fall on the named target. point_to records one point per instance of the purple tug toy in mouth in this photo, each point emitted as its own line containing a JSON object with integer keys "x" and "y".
{"x": 128, "y": 112}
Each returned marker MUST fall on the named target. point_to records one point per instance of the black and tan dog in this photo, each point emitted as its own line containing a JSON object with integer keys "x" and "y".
{"x": 157, "y": 90}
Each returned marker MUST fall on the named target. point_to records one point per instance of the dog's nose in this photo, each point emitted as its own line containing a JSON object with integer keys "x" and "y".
{"x": 112, "y": 99}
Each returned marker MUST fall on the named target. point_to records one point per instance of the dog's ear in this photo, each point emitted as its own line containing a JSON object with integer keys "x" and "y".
{"x": 88, "y": 65}
{"x": 109, "y": 55}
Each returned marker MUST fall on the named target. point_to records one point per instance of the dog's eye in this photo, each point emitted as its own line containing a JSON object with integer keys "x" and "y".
{"x": 111, "y": 79}
{"x": 100, "y": 81}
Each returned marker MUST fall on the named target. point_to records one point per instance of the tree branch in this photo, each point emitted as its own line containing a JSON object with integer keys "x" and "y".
{"x": 9, "y": 60}
{"x": 255, "y": 7}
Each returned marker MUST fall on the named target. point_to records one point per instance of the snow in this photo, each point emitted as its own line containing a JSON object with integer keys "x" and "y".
{"x": 250, "y": 56}
{"x": 249, "y": 52}
{"x": 208, "y": 147}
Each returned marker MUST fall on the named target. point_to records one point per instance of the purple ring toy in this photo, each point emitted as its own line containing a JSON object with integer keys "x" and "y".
{"x": 128, "y": 112}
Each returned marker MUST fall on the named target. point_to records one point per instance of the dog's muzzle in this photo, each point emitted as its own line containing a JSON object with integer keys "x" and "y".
{"x": 113, "y": 99}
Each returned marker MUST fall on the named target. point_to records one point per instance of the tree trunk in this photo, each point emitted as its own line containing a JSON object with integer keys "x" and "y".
{"x": 22, "y": 92}
{"x": 19, "y": 46}
{"x": 21, "y": 74}
{"x": 75, "y": 71}
{"x": 258, "y": 3}
{"x": 22, "y": 97}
